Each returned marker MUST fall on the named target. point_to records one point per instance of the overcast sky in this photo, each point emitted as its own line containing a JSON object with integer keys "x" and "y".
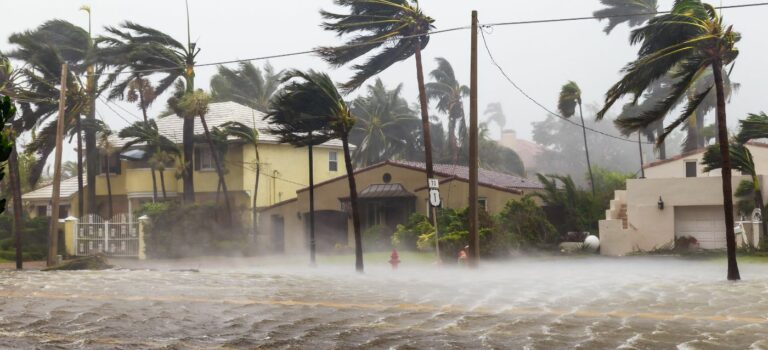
{"x": 539, "y": 57}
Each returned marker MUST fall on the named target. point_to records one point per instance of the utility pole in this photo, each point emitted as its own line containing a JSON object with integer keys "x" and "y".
{"x": 474, "y": 237}
{"x": 640, "y": 146}
{"x": 53, "y": 234}
{"x": 312, "y": 243}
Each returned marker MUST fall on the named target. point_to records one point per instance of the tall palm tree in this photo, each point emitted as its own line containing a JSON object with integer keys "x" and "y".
{"x": 741, "y": 159}
{"x": 146, "y": 133}
{"x": 193, "y": 105}
{"x": 136, "y": 48}
{"x": 450, "y": 95}
{"x": 312, "y": 98}
{"x": 390, "y": 31}
{"x": 617, "y": 11}
{"x": 570, "y": 98}
{"x": 385, "y": 125}
{"x": 686, "y": 42}
{"x": 248, "y": 85}
{"x": 250, "y": 136}
{"x": 495, "y": 113}
{"x": 44, "y": 50}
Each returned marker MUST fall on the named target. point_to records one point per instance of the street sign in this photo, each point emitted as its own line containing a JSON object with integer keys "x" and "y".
{"x": 434, "y": 198}
{"x": 433, "y": 184}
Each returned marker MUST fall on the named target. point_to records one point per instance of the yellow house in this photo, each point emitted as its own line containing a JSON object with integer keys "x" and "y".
{"x": 284, "y": 168}
{"x": 389, "y": 193}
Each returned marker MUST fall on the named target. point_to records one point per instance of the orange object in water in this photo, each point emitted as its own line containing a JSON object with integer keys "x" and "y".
{"x": 394, "y": 259}
{"x": 462, "y": 257}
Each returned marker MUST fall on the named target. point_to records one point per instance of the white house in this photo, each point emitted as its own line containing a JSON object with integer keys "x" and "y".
{"x": 675, "y": 199}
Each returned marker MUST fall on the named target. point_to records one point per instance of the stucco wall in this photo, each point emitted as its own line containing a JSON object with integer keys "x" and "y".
{"x": 676, "y": 168}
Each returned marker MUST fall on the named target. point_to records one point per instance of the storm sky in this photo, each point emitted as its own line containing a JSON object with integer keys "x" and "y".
{"x": 539, "y": 57}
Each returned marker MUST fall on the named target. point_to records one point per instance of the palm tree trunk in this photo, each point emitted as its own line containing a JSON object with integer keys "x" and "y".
{"x": 424, "y": 114}
{"x": 18, "y": 224}
{"x": 162, "y": 184}
{"x": 312, "y": 243}
{"x": 146, "y": 120}
{"x": 219, "y": 171}
{"x": 586, "y": 148}
{"x": 254, "y": 210}
{"x": 722, "y": 136}
{"x": 188, "y": 141}
{"x": 353, "y": 204}
{"x": 662, "y": 146}
{"x": 80, "y": 187}
{"x": 109, "y": 190}
{"x": 154, "y": 185}
{"x": 92, "y": 152}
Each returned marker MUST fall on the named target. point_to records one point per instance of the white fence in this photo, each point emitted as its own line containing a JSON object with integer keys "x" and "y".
{"x": 116, "y": 237}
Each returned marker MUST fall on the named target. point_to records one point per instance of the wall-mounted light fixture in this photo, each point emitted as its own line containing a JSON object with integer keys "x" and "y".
{"x": 660, "y": 204}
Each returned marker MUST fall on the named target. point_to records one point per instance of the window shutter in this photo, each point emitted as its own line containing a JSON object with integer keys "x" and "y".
{"x": 197, "y": 158}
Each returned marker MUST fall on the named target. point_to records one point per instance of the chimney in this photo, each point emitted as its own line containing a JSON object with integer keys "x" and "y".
{"x": 508, "y": 138}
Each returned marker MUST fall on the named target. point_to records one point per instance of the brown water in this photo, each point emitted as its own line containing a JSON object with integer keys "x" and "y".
{"x": 632, "y": 303}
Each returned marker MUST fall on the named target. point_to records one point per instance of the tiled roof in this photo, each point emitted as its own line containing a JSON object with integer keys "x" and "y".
{"x": 218, "y": 114}
{"x": 67, "y": 189}
{"x": 385, "y": 191}
{"x": 485, "y": 177}
{"x": 528, "y": 152}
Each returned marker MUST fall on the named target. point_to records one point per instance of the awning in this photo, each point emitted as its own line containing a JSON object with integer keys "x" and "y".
{"x": 133, "y": 154}
{"x": 381, "y": 191}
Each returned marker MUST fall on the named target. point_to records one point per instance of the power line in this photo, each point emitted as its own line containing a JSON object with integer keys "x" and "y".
{"x": 529, "y": 97}
{"x": 114, "y": 111}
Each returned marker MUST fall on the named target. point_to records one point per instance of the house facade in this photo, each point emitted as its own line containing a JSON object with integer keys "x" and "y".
{"x": 388, "y": 194}
{"x": 283, "y": 169}
{"x": 677, "y": 198}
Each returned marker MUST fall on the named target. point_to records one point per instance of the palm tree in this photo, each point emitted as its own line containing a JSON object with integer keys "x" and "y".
{"x": 753, "y": 128}
{"x": 106, "y": 146}
{"x": 634, "y": 12}
{"x": 741, "y": 159}
{"x": 148, "y": 51}
{"x": 44, "y": 50}
{"x": 311, "y": 98}
{"x": 159, "y": 161}
{"x": 570, "y": 98}
{"x": 250, "y": 136}
{"x": 391, "y": 31}
{"x": 385, "y": 125}
{"x": 687, "y": 42}
{"x": 561, "y": 192}
{"x": 450, "y": 95}
{"x": 193, "y": 105}
{"x": 495, "y": 113}
{"x": 248, "y": 85}
{"x": 148, "y": 134}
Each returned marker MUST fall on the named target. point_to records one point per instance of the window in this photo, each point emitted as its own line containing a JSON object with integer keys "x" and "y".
{"x": 114, "y": 164}
{"x": 690, "y": 168}
{"x": 204, "y": 159}
{"x": 482, "y": 202}
{"x": 63, "y": 211}
{"x": 42, "y": 211}
{"x": 333, "y": 161}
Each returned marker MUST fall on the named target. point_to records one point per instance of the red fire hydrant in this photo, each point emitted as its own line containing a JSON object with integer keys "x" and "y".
{"x": 394, "y": 259}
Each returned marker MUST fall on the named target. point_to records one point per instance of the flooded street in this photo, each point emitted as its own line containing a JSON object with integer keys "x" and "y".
{"x": 588, "y": 303}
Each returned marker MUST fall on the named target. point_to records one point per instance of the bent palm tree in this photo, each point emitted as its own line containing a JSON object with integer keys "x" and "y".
{"x": 570, "y": 97}
{"x": 385, "y": 125}
{"x": 248, "y": 85}
{"x": 449, "y": 94}
{"x": 634, "y": 12}
{"x": 311, "y": 98}
{"x": 685, "y": 43}
{"x": 494, "y": 113}
{"x": 741, "y": 159}
{"x": 147, "y": 133}
{"x": 391, "y": 31}
{"x": 250, "y": 136}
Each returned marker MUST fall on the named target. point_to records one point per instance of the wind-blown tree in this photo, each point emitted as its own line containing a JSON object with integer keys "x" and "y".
{"x": 685, "y": 43}
{"x": 450, "y": 95}
{"x": 193, "y": 105}
{"x": 146, "y": 133}
{"x": 389, "y": 31}
{"x": 495, "y": 113}
{"x": 753, "y": 128}
{"x": 570, "y": 98}
{"x": 250, "y": 136}
{"x": 43, "y": 51}
{"x": 561, "y": 192}
{"x": 741, "y": 159}
{"x": 634, "y": 12}
{"x": 159, "y": 161}
{"x": 248, "y": 85}
{"x": 311, "y": 98}
{"x": 108, "y": 148}
{"x": 147, "y": 51}
{"x": 384, "y": 127}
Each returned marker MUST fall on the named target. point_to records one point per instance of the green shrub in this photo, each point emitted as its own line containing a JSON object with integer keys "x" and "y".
{"x": 34, "y": 238}
{"x": 406, "y": 236}
{"x": 524, "y": 224}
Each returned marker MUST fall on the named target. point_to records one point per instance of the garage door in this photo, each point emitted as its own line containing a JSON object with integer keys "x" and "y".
{"x": 705, "y": 223}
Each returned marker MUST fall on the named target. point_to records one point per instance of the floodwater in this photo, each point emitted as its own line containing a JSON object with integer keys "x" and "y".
{"x": 587, "y": 303}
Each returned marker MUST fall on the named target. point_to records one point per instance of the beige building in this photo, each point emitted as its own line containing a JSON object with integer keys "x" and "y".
{"x": 389, "y": 193}
{"x": 527, "y": 151}
{"x": 676, "y": 199}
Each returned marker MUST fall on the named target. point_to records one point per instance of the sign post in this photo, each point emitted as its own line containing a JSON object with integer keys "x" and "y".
{"x": 434, "y": 203}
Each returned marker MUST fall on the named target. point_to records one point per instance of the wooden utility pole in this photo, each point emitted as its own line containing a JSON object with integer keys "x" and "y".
{"x": 53, "y": 234}
{"x": 474, "y": 237}
{"x": 312, "y": 243}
